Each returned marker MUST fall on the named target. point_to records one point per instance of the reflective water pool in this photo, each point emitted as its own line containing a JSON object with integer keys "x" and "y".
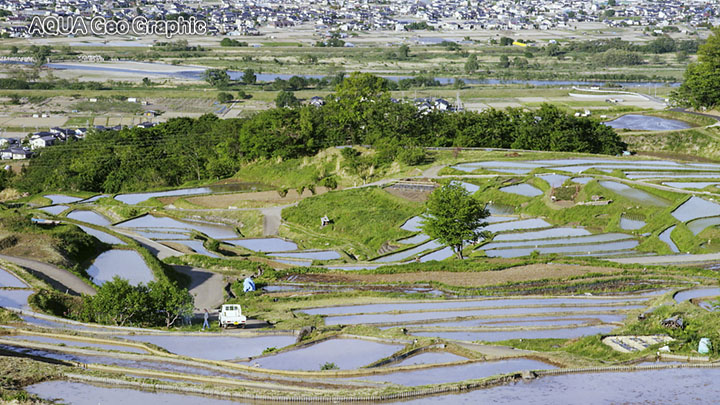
{"x": 665, "y": 237}
{"x": 428, "y": 358}
{"x": 598, "y": 247}
{"x": 522, "y": 189}
{"x": 8, "y": 279}
{"x": 604, "y": 237}
{"x": 545, "y": 234}
{"x": 696, "y": 293}
{"x": 216, "y": 231}
{"x": 86, "y": 394}
{"x": 74, "y": 343}
{"x": 55, "y": 209}
{"x": 566, "y": 333}
{"x": 413, "y": 224}
{"x": 441, "y": 375}
{"x": 310, "y": 255}
{"x": 265, "y": 244}
{"x": 630, "y": 224}
{"x": 395, "y": 257}
{"x": 634, "y": 194}
{"x": 646, "y": 123}
{"x": 667, "y": 386}
{"x": 691, "y": 184}
{"x": 215, "y": 347}
{"x": 698, "y": 225}
{"x": 696, "y": 207}
{"x": 15, "y": 298}
{"x": 102, "y": 236}
{"x": 127, "y": 264}
{"x": 554, "y": 180}
{"x": 62, "y": 199}
{"x": 532, "y": 223}
{"x": 90, "y": 217}
{"x": 414, "y": 240}
{"x": 196, "y": 245}
{"x": 345, "y": 353}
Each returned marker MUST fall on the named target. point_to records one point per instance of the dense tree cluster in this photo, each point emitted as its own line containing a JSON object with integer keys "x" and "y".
{"x": 701, "y": 87}
{"x": 117, "y": 302}
{"x": 360, "y": 111}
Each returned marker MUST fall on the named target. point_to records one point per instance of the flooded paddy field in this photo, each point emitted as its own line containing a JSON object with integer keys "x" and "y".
{"x": 75, "y": 343}
{"x": 215, "y": 347}
{"x": 90, "y": 217}
{"x": 127, "y": 264}
{"x": 87, "y": 394}
{"x": 447, "y": 374}
{"x": 344, "y": 353}
{"x": 636, "y": 387}
{"x": 167, "y": 224}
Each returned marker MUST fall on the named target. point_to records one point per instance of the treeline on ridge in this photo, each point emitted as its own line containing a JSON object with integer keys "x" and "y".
{"x": 361, "y": 111}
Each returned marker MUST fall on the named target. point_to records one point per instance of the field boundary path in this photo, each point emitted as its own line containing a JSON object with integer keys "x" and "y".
{"x": 58, "y": 278}
{"x": 207, "y": 287}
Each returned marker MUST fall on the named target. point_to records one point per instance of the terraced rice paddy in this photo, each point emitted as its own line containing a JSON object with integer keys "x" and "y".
{"x": 75, "y": 343}
{"x": 335, "y": 351}
{"x": 54, "y": 209}
{"x": 441, "y": 375}
{"x": 215, "y": 347}
{"x": 646, "y": 123}
{"x": 8, "y": 279}
{"x": 102, "y": 236}
{"x": 159, "y": 225}
{"x": 126, "y": 264}
{"x": 265, "y": 244}
{"x": 647, "y": 386}
{"x": 62, "y": 199}
{"x": 525, "y": 190}
{"x": 90, "y": 217}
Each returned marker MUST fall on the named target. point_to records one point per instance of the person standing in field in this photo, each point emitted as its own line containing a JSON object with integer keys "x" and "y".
{"x": 206, "y": 316}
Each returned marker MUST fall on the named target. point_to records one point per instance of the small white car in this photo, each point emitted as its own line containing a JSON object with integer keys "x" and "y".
{"x": 231, "y": 314}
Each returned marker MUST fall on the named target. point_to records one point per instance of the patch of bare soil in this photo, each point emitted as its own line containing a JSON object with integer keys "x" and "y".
{"x": 467, "y": 279}
{"x": 411, "y": 195}
{"x": 239, "y": 199}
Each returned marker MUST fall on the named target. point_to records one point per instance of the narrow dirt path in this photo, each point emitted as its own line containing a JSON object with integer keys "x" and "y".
{"x": 58, "y": 278}
{"x": 272, "y": 218}
{"x": 207, "y": 287}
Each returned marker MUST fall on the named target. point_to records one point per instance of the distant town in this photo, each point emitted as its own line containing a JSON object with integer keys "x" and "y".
{"x": 244, "y": 17}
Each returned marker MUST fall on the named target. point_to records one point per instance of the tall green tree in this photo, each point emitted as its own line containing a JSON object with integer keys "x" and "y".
{"x": 701, "y": 87}
{"x": 217, "y": 78}
{"x": 454, "y": 217}
{"x": 119, "y": 303}
{"x": 249, "y": 76}
{"x": 286, "y": 99}
{"x": 471, "y": 65}
{"x": 169, "y": 301}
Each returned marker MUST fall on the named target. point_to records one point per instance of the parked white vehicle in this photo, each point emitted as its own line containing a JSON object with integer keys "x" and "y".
{"x": 231, "y": 314}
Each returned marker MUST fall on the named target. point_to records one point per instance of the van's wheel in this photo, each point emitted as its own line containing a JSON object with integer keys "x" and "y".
{"x": 242, "y": 326}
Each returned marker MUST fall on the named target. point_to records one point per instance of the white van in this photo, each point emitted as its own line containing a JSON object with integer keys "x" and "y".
{"x": 231, "y": 314}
